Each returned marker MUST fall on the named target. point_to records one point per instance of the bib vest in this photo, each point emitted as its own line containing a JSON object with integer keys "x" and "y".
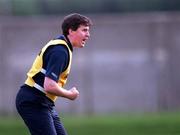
{"x": 37, "y": 68}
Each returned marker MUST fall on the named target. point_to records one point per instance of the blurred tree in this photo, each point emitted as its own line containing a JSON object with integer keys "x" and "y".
{"x": 5, "y": 7}
{"x": 53, "y": 7}
{"x": 22, "y": 7}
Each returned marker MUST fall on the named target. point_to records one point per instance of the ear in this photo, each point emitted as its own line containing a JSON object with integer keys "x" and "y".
{"x": 70, "y": 31}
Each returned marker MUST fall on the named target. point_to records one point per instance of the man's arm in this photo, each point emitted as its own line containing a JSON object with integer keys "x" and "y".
{"x": 52, "y": 87}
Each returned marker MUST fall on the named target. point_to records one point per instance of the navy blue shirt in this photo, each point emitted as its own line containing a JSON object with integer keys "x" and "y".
{"x": 56, "y": 59}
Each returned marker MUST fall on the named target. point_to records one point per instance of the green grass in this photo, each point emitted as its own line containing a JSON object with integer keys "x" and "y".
{"x": 162, "y": 124}
{"x": 12, "y": 126}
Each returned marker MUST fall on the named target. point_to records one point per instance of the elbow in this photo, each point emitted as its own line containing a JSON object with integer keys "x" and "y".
{"x": 46, "y": 87}
{"x": 49, "y": 85}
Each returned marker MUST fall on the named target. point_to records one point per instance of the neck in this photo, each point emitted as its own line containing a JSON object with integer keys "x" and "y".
{"x": 69, "y": 38}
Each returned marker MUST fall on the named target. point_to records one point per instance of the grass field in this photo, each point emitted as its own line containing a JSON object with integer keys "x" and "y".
{"x": 161, "y": 124}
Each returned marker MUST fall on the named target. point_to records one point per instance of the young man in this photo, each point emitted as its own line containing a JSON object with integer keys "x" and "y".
{"x": 47, "y": 76}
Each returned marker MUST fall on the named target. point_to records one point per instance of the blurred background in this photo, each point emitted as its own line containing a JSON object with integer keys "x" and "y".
{"x": 129, "y": 66}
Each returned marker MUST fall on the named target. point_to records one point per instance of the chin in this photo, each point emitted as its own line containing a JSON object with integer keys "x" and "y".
{"x": 81, "y": 46}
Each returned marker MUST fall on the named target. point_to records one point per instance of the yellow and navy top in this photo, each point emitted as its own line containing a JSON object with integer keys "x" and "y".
{"x": 53, "y": 61}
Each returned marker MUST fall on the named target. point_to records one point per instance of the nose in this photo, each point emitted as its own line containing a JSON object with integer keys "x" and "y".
{"x": 88, "y": 34}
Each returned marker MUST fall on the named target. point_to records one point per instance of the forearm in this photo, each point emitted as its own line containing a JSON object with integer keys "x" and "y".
{"x": 55, "y": 89}
{"x": 52, "y": 87}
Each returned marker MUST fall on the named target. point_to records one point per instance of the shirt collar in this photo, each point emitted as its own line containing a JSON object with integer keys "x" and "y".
{"x": 65, "y": 38}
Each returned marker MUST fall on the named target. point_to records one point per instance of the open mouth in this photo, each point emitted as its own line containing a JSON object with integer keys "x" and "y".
{"x": 84, "y": 41}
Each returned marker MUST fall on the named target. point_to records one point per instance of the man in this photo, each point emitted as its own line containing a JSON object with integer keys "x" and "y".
{"x": 47, "y": 76}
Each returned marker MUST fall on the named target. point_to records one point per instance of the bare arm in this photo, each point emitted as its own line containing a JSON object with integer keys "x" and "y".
{"x": 52, "y": 87}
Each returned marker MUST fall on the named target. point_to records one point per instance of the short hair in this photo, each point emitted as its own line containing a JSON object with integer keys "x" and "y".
{"x": 73, "y": 21}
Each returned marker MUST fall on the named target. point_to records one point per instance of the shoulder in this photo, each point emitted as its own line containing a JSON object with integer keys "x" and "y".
{"x": 56, "y": 52}
{"x": 57, "y": 49}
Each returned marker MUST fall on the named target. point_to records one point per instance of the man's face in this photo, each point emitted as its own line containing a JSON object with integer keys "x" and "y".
{"x": 78, "y": 38}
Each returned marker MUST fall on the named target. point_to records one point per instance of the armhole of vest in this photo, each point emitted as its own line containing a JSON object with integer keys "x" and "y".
{"x": 68, "y": 61}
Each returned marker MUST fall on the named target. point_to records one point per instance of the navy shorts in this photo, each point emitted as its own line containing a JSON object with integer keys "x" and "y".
{"x": 38, "y": 112}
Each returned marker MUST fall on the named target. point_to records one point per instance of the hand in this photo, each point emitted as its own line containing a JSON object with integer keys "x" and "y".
{"x": 74, "y": 93}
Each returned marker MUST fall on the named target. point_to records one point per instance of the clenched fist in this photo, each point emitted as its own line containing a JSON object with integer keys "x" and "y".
{"x": 74, "y": 93}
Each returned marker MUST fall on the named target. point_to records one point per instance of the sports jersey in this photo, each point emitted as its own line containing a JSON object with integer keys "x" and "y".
{"x": 53, "y": 61}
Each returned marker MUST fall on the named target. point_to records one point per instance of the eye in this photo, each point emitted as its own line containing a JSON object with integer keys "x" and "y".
{"x": 85, "y": 30}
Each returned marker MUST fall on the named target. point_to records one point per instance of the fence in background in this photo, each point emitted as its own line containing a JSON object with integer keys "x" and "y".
{"x": 130, "y": 64}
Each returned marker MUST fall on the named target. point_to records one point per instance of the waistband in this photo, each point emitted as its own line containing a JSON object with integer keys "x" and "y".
{"x": 30, "y": 82}
{"x": 38, "y": 92}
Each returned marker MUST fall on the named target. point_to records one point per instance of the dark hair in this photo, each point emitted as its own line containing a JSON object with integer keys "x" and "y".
{"x": 73, "y": 21}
